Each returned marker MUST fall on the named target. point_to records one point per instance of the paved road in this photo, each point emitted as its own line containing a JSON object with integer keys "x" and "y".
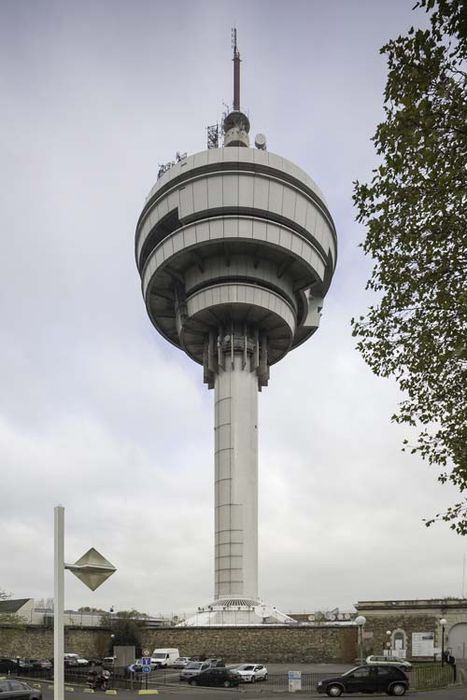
{"x": 262, "y": 693}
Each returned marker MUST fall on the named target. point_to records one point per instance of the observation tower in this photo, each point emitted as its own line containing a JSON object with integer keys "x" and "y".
{"x": 236, "y": 249}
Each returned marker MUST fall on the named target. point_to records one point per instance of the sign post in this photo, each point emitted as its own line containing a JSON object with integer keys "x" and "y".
{"x": 295, "y": 681}
{"x": 147, "y": 668}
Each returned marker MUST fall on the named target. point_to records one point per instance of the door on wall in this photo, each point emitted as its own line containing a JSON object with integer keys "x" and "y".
{"x": 457, "y": 641}
{"x": 399, "y": 647}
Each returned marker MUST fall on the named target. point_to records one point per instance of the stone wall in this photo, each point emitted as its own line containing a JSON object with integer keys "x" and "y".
{"x": 261, "y": 644}
{"x": 32, "y": 641}
{"x": 268, "y": 644}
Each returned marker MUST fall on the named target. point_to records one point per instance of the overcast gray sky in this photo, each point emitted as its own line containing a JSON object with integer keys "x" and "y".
{"x": 97, "y": 412}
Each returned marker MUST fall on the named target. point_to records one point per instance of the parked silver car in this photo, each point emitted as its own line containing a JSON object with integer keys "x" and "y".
{"x": 14, "y": 689}
{"x": 388, "y": 661}
{"x": 193, "y": 669}
{"x": 250, "y": 673}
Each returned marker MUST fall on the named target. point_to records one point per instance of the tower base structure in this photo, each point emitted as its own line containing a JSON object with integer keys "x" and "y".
{"x": 237, "y": 612}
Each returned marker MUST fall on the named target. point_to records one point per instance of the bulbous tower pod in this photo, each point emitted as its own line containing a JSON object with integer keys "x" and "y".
{"x": 236, "y": 250}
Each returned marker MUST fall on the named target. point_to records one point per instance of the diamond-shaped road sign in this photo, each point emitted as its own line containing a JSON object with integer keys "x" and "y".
{"x": 92, "y": 569}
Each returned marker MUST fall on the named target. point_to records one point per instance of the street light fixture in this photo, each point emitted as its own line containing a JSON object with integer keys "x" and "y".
{"x": 443, "y": 623}
{"x": 360, "y": 621}
{"x": 111, "y": 625}
{"x": 388, "y": 641}
{"x": 92, "y": 569}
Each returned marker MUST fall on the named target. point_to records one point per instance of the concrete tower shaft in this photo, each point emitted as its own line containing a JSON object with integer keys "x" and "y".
{"x": 236, "y": 482}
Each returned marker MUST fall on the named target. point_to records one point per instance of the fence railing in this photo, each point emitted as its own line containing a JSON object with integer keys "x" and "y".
{"x": 421, "y": 677}
{"x": 431, "y": 676}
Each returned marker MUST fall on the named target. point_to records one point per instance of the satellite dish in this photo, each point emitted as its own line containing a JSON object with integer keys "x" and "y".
{"x": 260, "y": 142}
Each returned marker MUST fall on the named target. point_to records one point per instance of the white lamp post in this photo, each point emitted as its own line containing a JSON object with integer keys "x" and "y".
{"x": 92, "y": 569}
{"x": 443, "y": 623}
{"x": 388, "y": 641}
{"x": 360, "y": 621}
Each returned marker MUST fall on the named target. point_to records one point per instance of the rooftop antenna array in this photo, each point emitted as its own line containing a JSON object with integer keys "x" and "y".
{"x": 214, "y": 131}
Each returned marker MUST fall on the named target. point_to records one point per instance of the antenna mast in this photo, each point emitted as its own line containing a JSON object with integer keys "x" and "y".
{"x": 236, "y": 72}
{"x": 236, "y": 124}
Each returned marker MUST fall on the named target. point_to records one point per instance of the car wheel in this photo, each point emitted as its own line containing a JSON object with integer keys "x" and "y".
{"x": 193, "y": 682}
{"x": 253, "y": 679}
{"x": 398, "y": 689}
{"x": 334, "y": 691}
{"x": 266, "y": 677}
{"x": 227, "y": 684}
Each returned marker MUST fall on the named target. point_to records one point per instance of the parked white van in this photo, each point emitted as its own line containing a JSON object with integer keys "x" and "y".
{"x": 161, "y": 658}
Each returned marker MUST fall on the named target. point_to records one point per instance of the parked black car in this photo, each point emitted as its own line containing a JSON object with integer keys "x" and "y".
{"x": 40, "y": 664}
{"x": 366, "y": 679}
{"x": 8, "y": 665}
{"x": 216, "y": 677}
{"x": 18, "y": 690}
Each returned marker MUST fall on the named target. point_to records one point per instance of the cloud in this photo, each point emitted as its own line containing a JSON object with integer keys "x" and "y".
{"x": 97, "y": 411}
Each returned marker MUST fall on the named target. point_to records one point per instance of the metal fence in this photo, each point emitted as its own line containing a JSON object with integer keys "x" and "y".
{"x": 421, "y": 677}
{"x": 431, "y": 676}
{"x": 169, "y": 677}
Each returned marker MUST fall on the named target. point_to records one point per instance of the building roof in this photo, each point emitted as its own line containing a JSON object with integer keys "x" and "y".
{"x": 12, "y": 606}
{"x": 417, "y": 603}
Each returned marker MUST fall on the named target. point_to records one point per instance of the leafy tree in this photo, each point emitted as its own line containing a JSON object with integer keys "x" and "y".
{"x": 414, "y": 211}
{"x": 125, "y": 626}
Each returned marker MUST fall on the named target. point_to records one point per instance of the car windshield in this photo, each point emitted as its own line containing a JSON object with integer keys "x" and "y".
{"x": 246, "y": 667}
{"x": 159, "y": 656}
{"x": 195, "y": 664}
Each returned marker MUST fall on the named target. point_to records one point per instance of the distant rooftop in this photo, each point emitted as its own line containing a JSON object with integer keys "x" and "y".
{"x": 12, "y": 606}
{"x": 412, "y": 603}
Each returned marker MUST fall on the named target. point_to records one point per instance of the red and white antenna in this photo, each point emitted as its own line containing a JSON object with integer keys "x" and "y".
{"x": 236, "y": 71}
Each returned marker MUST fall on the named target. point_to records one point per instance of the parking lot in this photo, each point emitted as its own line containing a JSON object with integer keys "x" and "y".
{"x": 167, "y": 683}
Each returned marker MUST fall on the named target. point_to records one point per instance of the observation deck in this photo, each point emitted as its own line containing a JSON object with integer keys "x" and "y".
{"x": 235, "y": 245}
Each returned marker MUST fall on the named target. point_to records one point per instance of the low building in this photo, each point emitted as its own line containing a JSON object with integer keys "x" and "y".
{"x": 20, "y": 608}
{"x": 33, "y": 612}
{"x": 415, "y": 628}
